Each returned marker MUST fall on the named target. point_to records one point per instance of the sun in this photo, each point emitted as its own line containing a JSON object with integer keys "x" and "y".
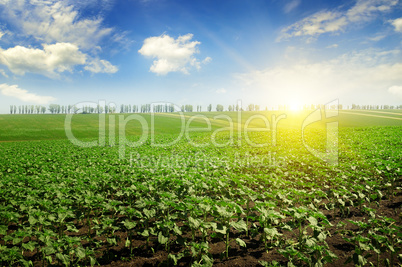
{"x": 295, "y": 106}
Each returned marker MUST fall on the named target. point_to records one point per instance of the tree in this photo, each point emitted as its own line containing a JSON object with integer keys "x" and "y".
{"x": 219, "y": 107}
{"x": 53, "y": 108}
{"x": 209, "y": 107}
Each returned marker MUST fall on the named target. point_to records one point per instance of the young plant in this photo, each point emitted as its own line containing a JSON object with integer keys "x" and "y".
{"x": 361, "y": 244}
{"x": 226, "y": 214}
{"x": 269, "y": 219}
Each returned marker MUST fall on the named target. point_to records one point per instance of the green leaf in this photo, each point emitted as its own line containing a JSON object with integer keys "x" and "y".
{"x": 112, "y": 241}
{"x": 162, "y": 239}
{"x": 312, "y": 220}
{"x": 239, "y": 225}
{"x": 65, "y": 259}
{"x": 310, "y": 242}
{"x": 321, "y": 236}
{"x": 3, "y": 229}
{"x": 194, "y": 223}
{"x": 318, "y": 264}
{"x": 207, "y": 261}
{"x": 72, "y": 228}
{"x": 26, "y": 263}
{"x": 391, "y": 248}
{"x": 149, "y": 213}
{"x": 145, "y": 233}
{"x": 359, "y": 259}
{"x": 222, "y": 229}
{"x": 364, "y": 247}
{"x": 92, "y": 261}
{"x": 173, "y": 258}
{"x": 129, "y": 224}
{"x": 223, "y": 212}
{"x": 48, "y": 250}
{"x": 49, "y": 259}
{"x": 271, "y": 232}
{"x": 241, "y": 242}
{"x": 17, "y": 240}
{"x": 80, "y": 252}
{"x": 30, "y": 245}
{"x": 177, "y": 230}
{"x": 32, "y": 220}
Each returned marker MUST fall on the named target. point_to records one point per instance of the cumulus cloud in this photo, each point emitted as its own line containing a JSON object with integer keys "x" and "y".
{"x": 396, "y": 90}
{"x": 334, "y": 20}
{"x": 397, "y": 23}
{"x": 101, "y": 66}
{"x": 171, "y": 54}
{"x": 24, "y": 95}
{"x": 68, "y": 38}
{"x": 55, "y": 21}
{"x": 363, "y": 76}
{"x": 54, "y": 58}
{"x": 51, "y": 60}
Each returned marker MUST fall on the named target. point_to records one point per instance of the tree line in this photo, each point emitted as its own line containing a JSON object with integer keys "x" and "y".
{"x": 165, "y": 108}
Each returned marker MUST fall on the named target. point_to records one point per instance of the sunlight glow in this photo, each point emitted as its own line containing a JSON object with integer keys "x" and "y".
{"x": 295, "y": 106}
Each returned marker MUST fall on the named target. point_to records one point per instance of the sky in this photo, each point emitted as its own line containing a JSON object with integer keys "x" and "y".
{"x": 200, "y": 52}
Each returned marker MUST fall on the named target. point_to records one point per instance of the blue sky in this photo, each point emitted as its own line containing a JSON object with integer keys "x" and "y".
{"x": 200, "y": 52}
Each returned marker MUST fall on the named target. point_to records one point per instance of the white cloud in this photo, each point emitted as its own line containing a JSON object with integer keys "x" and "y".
{"x": 2, "y": 72}
{"x": 101, "y": 66}
{"x": 171, "y": 54}
{"x": 207, "y": 60}
{"x": 335, "y": 20}
{"x": 1, "y": 34}
{"x": 333, "y": 46}
{"x": 291, "y": 6}
{"x": 365, "y": 10}
{"x": 221, "y": 91}
{"x": 360, "y": 76}
{"x": 396, "y": 90}
{"x": 64, "y": 32}
{"x": 397, "y": 23}
{"x": 377, "y": 38}
{"x": 24, "y": 95}
{"x": 55, "y": 21}
{"x": 54, "y": 58}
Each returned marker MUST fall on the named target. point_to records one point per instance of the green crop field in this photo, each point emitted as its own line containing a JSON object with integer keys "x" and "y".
{"x": 51, "y": 127}
{"x": 253, "y": 189}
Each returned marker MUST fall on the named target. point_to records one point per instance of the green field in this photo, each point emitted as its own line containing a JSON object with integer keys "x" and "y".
{"x": 50, "y": 127}
{"x": 219, "y": 197}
